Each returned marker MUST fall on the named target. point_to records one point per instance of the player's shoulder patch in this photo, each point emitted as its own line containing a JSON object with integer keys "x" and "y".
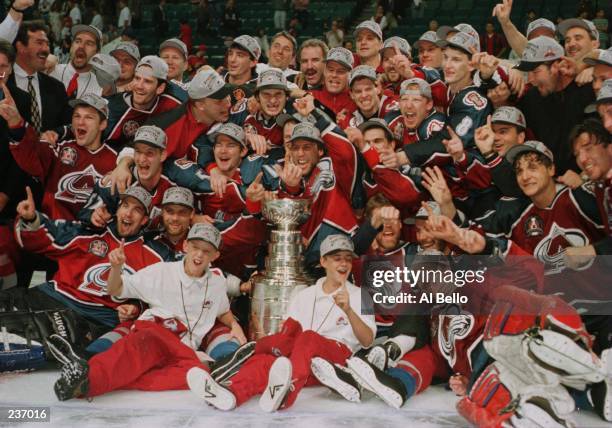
{"x": 464, "y": 126}
{"x": 184, "y": 163}
{"x": 474, "y": 99}
{"x": 433, "y": 126}
{"x": 589, "y": 187}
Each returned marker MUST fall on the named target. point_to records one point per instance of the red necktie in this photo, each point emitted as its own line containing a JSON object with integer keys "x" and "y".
{"x": 73, "y": 86}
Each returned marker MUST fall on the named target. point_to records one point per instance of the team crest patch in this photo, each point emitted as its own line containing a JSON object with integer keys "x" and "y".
{"x": 129, "y": 128}
{"x": 68, "y": 156}
{"x": 170, "y": 324}
{"x": 183, "y": 163}
{"x": 342, "y": 321}
{"x": 434, "y": 126}
{"x": 98, "y": 248}
{"x": 475, "y": 100}
{"x": 238, "y": 94}
{"x": 398, "y": 132}
{"x": 250, "y": 129}
{"x": 534, "y": 226}
{"x": 207, "y": 304}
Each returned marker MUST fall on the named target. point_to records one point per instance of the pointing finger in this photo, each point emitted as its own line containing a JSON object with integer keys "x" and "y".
{"x": 29, "y": 195}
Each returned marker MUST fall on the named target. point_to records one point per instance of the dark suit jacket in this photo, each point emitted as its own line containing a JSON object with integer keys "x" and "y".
{"x": 55, "y": 109}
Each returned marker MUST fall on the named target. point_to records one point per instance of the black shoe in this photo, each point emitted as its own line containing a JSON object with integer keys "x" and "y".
{"x": 229, "y": 365}
{"x": 337, "y": 378}
{"x": 380, "y": 355}
{"x": 386, "y": 387}
{"x": 601, "y": 393}
{"x": 73, "y": 381}
{"x": 62, "y": 350}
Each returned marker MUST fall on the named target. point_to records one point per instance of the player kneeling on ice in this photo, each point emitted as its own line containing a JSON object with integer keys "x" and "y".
{"x": 185, "y": 298}
{"x": 323, "y": 320}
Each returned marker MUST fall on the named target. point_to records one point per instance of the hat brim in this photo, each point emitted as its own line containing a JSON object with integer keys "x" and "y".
{"x": 528, "y": 65}
{"x": 122, "y": 196}
{"x": 606, "y": 100}
{"x": 361, "y": 76}
{"x": 342, "y": 63}
{"x": 183, "y": 204}
{"x": 416, "y": 44}
{"x": 273, "y": 86}
{"x": 173, "y": 45}
{"x": 216, "y": 134}
{"x": 283, "y": 118}
{"x": 148, "y": 143}
{"x": 371, "y": 125}
{"x": 198, "y": 238}
{"x": 79, "y": 102}
{"x": 595, "y": 61}
{"x": 314, "y": 140}
{"x": 447, "y": 44}
{"x": 565, "y": 25}
{"x": 518, "y": 150}
{"x": 221, "y": 93}
{"x": 137, "y": 59}
{"x": 80, "y": 28}
{"x": 244, "y": 48}
{"x": 358, "y": 30}
{"x": 507, "y": 122}
{"x": 331, "y": 253}
{"x": 442, "y": 32}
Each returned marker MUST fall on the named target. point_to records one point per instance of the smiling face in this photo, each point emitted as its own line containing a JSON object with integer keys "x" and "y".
{"x": 506, "y": 137}
{"x": 594, "y": 158}
{"x": 578, "y": 43}
{"x": 430, "y": 54}
{"x": 456, "y": 66}
{"x": 337, "y": 265}
{"x": 228, "y": 154}
{"x": 532, "y": 175}
{"x": 87, "y": 126}
{"x": 145, "y": 89}
{"x": 176, "y": 220}
{"x": 199, "y": 255}
{"x": 149, "y": 161}
{"x": 239, "y": 63}
{"x": 605, "y": 112}
{"x": 131, "y": 217}
{"x": 127, "y": 63}
{"x": 281, "y": 53}
{"x": 414, "y": 108}
{"x": 392, "y": 74}
{"x": 312, "y": 64}
{"x": 368, "y": 44}
{"x": 425, "y": 239}
{"x": 366, "y": 95}
{"x": 177, "y": 63}
{"x": 305, "y": 154}
{"x": 35, "y": 53}
{"x": 83, "y": 47}
{"x": 271, "y": 101}
{"x": 601, "y": 73}
{"x": 335, "y": 77}
{"x": 544, "y": 77}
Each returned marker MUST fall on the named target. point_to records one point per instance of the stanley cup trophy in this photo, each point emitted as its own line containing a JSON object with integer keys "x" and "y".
{"x": 284, "y": 273}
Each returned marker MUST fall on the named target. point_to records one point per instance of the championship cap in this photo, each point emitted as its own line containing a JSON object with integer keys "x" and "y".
{"x": 541, "y": 23}
{"x": 248, "y": 44}
{"x": 152, "y": 136}
{"x": 177, "y": 195}
{"x": 377, "y": 123}
{"x": 427, "y": 36}
{"x": 422, "y": 213}
{"x": 271, "y": 78}
{"x": 283, "y": 118}
{"x": 565, "y": 25}
{"x": 360, "y": 71}
{"x": 604, "y": 96}
{"x": 599, "y": 56}
{"x": 140, "y": 194}
{"x": 400, "y": 42}
{"x": 91, "y": 100}
{"x": 80, "y": 28}
{"x": 540, "y": 50}
{"x": 208, "y": 84}
{"x": 334, "y": 243}
{"x": 511, "y": 115}
{"x": 342, "y": 56}
{"x": 462, "y": 41}
{"x": 176, "y": 44}
{"x": 306, "y": 131}
{"x": 231, "y": 130}
{"x": 528, "y": 146}
{"x": 444, "y": 30}
{"x": 154, "y": 66}
{"x": 105, "y": 68}
{"x": 128, "y": 47}
{"x": 205, "y": 232}
{"x": 370, "y": 26}
{"x": 423, "y": 87}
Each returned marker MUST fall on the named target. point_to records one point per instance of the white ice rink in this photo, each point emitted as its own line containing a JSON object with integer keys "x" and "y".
{"x": 315, "y": 408}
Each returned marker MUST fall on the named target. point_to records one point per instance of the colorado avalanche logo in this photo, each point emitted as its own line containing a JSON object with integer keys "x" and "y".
{"x": 551, "y": 248}
{"x": 452, "y": 328}
{"x": 342, "y": 321}
{"x": 68, "y": 156}
{"x": 129, "y": 128}
{"x": 98, "y": 248}
{"x": 95, "y": 279}
{"x": 77, "y": 186}
{"x": 434, "y": 126}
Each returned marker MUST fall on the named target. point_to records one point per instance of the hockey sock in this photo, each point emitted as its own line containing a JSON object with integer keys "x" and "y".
{"x": 223, "y": 349}
{"x": 406, "y": 378}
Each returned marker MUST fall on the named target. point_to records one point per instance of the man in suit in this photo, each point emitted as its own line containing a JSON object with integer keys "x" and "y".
{"x": 49, "y": 107}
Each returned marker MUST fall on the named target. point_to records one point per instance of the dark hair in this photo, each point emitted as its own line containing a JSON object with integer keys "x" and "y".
{"x": 539, "y": 157}
{"x": 26, "y": 27}
{"x": 377, "y": 201}
{"x": 7, "y": 49}
{"x": 594, "y": 128}
{"x": 287, "y": 36}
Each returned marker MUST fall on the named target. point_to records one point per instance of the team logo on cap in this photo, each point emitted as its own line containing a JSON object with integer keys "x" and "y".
{"x": 98, "y": 248}
{"x": 68, "y": 156}
{"x": 549, "y": 53}
{"x": 130, "y": 127}
{"x": 534, "y": 226}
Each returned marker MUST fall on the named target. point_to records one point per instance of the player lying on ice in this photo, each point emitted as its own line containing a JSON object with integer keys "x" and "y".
{"x": 185, "y": 298}
{"x": 323, "y": 320}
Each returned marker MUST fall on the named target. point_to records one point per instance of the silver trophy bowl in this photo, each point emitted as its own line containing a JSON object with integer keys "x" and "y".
{"x": 284, "y": 274}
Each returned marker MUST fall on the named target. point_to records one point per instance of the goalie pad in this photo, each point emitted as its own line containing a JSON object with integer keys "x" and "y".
{"x": 499, "y": 398}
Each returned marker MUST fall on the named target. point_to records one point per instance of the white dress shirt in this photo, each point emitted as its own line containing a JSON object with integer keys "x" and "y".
{"x": 87, "y": 81}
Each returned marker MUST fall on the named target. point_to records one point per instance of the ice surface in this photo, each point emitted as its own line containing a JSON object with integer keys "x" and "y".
{"x": 315, "y": 408}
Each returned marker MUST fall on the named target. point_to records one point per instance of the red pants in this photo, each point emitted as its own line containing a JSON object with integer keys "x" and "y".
{"x": 252, "y": 378}
{"x": 423, "y": 364}
{"x": 150, "y": 358}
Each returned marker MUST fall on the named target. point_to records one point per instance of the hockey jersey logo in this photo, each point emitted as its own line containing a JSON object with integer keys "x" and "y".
{"x": 474, "y": 99}
{"x": 551, "y": 248}
{"x": 129, "y": 128}
{"x": 325, "y": 179}
{"x": 68, "y": 156}
{"x": 451, "y": 329}
{"x": 77, "y": 186}
{"x": 434, "y": 126}
{"x": 98, "y": 248}
{"x": 95, "y": 279}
